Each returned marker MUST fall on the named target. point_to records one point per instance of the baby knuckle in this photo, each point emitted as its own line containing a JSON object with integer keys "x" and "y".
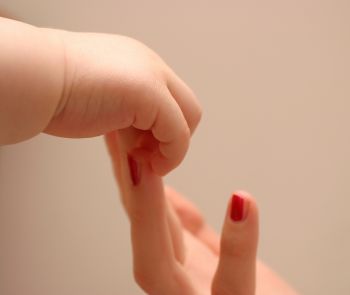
{"x": 198, "y": 114}
{"x": 185, "y": 133}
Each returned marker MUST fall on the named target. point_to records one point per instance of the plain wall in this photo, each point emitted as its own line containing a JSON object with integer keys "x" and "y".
{"x": 274, "y": 81}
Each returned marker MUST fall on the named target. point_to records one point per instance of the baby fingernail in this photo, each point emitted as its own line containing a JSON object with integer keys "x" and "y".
{"x": 237, "y": 208}
{"x": 135, "y": 172}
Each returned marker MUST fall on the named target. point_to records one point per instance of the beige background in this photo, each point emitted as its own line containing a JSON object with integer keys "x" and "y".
{"x": 274, "y": 81}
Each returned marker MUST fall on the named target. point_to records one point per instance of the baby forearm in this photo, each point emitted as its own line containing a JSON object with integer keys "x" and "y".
{"x": 31, "y": 79}
{"x": 87, "y": 84}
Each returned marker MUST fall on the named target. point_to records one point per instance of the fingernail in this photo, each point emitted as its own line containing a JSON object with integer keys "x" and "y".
{"x": 237, "y": 208}
{"x": 135, "y": 172}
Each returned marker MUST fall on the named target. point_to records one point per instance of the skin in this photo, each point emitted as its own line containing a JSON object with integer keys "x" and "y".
{"x": 175, "y": 251}
{"x": 82, "y": 84}
{"x": 85, "y": 84}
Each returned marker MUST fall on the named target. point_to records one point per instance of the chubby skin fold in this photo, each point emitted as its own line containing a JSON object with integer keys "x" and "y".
{"x": 87, "y": 84}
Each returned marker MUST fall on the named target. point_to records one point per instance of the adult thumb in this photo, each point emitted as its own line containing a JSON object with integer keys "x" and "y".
{"x": 236, "y": 270}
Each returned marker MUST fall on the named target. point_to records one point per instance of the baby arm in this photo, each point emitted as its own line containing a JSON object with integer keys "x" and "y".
{"x": 31, "y": 80}
{"x": 86, "y": 84}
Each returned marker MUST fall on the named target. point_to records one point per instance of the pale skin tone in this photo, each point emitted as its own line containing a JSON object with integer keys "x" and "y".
{"x": 175, "y": 251}
{"x": 85, "y": 84}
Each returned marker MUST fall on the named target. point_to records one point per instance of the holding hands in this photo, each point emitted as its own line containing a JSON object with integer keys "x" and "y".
{"x": 86, "y": 84}
{"x": 174, "y": 250}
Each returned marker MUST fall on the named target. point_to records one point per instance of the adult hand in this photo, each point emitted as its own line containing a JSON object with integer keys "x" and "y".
{"x": 198, "y": 234}
{"x": 169, "y": 257}
{"x": 176, "y": 251}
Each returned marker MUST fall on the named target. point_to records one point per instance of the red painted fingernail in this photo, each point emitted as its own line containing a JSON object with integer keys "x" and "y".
{"x": 237, "y": 208}
{"x": 135, "y": 172}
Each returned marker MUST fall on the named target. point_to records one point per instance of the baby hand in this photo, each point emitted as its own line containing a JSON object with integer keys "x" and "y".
{"x": 113, "y": 82}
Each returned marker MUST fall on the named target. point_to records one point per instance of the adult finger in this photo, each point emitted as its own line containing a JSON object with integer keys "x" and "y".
{"x": 151, "y": 241}
{"x": 114, "y": 147}
{"x": 176, "y": 232}
{"x": 192, "y": 220}
{"x": 115, "y": 143}
{"x": 156, "y": 268}
{"x": 237, "y": 263}
{"x": 112, "y": 144}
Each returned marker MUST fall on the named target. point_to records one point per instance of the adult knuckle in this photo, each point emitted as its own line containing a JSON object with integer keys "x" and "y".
{"x": 219, "y": 288}
{"x": 136, "y": 214}
{"x": 145, "y": 279}
{"x": 193, "y": 219}
{"x": 233, "y": 247}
